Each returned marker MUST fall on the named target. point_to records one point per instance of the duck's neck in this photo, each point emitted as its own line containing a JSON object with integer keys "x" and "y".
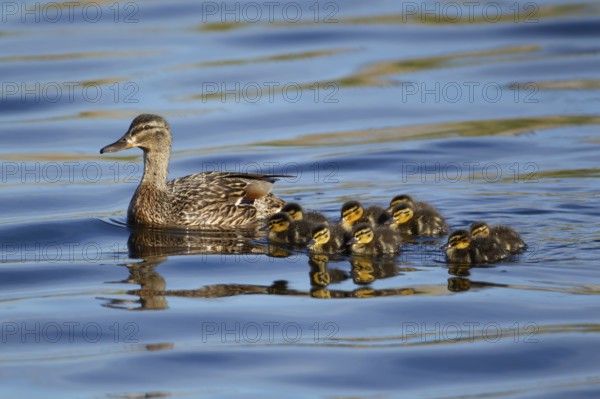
{"x": 150, "y": 204}
{"x": 156, "y": 170}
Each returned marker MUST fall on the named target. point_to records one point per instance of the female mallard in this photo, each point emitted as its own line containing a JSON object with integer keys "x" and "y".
{"x": 202, "y": 199}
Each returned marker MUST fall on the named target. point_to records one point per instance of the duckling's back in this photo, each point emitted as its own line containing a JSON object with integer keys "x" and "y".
{"x": 428, "y": 222}
{"x": 386, "y": 240}
{"x": 508, "y": 238}
{"x": 486, "y": 250}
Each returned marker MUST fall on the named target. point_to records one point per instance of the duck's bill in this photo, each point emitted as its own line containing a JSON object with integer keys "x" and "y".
{"x": 445, "y": 247}
{"x": 352, "y": 241}
{"x": 122, "y": 144}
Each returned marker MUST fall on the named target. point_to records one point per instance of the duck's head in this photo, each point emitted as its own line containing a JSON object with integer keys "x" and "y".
{"x": 401, "y": 213}
{"x": 351, "y": 212}
{"x": 279, "y": 222}
{"x": 320, "y": 236}
{"x": 400, "y": 199}
{"x": 149, "y": 132}
{"x": 294, "y": 210}
{"x": 480, "y": 229}
{"x": 459, "y": 239}
{"x": 362, "y": 234}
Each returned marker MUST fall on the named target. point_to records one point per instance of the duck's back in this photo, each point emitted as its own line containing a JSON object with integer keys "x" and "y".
{"x": 222, "y": 198}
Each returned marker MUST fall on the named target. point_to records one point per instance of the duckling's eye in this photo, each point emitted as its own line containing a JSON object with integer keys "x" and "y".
{"x": 351, "y": 211}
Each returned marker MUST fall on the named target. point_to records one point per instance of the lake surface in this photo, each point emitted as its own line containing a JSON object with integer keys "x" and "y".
{"x": 487, "y": 110}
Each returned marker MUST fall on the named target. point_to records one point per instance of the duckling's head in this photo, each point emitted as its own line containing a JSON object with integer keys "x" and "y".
{"x": 401, "y": 213}
{"x": 279, "y": 222}
{"x": 362, "y": 234}
{"x": 401, "y": 199}
{"x": 480, "y": 229}
{"x": 149, "y": 132}
{"x": 294, "y": 210}
{"x": 320, "y": 236}
{"x": 459, "y": 239}
{"x": 351, "y": 212}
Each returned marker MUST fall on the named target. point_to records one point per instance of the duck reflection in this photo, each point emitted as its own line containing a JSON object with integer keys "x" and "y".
{"x": 151, "y": 242}
{"x": 154, "y": 246}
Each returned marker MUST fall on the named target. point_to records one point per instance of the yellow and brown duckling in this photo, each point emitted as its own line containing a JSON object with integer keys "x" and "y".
{"x": 510, "y": 240}
{"x": 407, "y": 199}
{"x": 203, "y": 199}
{"x": 283, "y": 230}
{"x": 423, "y": 222}
{"x": 353, "y": 213}
{"x": 464, "y": 249}
{"x": 328, "y": 239}
{"x": 297, "y": 213}
{"x": 370, "y": 241}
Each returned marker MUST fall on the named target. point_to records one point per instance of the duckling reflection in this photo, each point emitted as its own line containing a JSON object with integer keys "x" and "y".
{"x": 365, "y": 269}
{"x": 154, "y": 246}
{"x": 458, "y": 284}
{"x": 320, "y": 275}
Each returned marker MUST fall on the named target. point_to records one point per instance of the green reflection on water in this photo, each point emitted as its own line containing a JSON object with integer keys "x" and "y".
{"x": 495, "y": 127}
{"x": 451, "y": 14}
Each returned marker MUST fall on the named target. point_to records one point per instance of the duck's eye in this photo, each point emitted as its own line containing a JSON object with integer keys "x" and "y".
{"x": 146, "y": 127}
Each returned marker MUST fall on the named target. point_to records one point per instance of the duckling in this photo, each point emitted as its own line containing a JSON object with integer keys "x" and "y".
{"x": 463, "y": 249}
{"x": 418, "y": 206}
{"x": 368, "y": 240}
{"x": 424, "y": 222}
{"x": 297, "y": 213}
{"x": 328, "y": 239}
{"x": 506, "y": 236}
{"x": 282, "y": 229}
{"x": 202, "y": 199}
{"x": 403, "y": 198}
{"x": 353, "y": 213}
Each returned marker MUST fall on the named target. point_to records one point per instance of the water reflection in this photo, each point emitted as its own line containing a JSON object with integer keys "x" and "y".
{"x": 154, "y": 246}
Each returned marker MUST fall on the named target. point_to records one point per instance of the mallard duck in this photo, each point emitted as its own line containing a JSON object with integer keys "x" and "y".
{"x": 353, "y": 213}
{"x": 424, "y": 222}
{"x": 297, "y": 213}
{"x": 506, "y": 236}
{"x": 201, "y": 199}
{"x": 283, "y": 229}
{"x": 328, "y": 239}
{"x": 463, "y": 249}
{"x": 368, "y": 240}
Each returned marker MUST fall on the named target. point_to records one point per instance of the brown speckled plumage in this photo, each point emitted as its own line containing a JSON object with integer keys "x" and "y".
{"x": 202, "y": 199}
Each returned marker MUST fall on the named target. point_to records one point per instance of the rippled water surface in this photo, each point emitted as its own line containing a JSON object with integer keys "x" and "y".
{"x": 488, "y": 110}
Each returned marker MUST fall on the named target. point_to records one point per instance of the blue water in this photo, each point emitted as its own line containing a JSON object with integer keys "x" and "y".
{"x": 492, "y": 115}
